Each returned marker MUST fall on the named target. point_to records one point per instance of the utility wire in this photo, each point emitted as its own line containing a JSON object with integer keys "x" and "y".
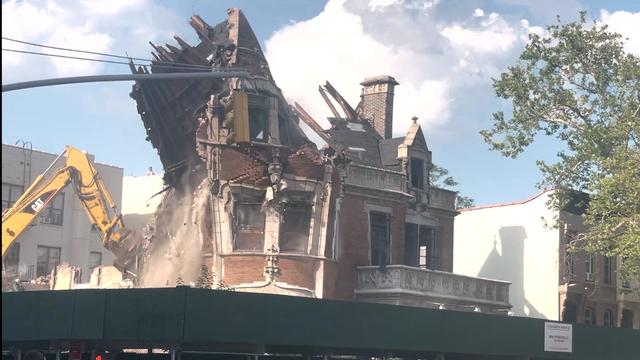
{"x": 177, "y": 66}
{"x": 101, "y": 54}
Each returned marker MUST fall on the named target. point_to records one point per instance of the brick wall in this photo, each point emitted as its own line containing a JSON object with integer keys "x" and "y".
{"x": 298, "y": 271}
{"x": 378, "y": 107}
{"x": 354, "y": 241}
{"x": 243, "y": 269}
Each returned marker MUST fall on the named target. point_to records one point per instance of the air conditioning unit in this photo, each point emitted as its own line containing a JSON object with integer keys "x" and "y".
{"x": 590, "y": 276}
{"x": 45, "y": 220}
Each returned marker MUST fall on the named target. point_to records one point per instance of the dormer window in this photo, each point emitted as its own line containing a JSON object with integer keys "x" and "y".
{"x": 417, "y": 173}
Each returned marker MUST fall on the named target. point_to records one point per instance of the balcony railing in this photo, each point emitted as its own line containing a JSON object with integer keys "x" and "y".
{"x": 375, "y": 178}
{"x": 442, "y": 199}
{"x": 434, "y": 286}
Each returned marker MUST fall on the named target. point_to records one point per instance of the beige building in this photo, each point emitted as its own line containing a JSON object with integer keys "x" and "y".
{"x": 63, "y": 233}
{"x": 516, "y": 242}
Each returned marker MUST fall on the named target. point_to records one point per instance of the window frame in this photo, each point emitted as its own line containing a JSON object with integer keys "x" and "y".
{"x": 296, "y": 201}
{"x": 589, "y": 267}
{"x": 417, "y": 177}
{"x": 50, "y": 209}
{"x": 48, "y": 268}
{"x": 607, "y": 318}
{"x": 251, "y": 234}
{"x": 372, "y": 243}
{"x": 589, "y": 316}
{"x": 8, "y": 203}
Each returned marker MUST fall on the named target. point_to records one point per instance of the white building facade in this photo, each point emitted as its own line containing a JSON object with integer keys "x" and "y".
{"x": 63, "y": 232}
{"x": 519, "y": 242}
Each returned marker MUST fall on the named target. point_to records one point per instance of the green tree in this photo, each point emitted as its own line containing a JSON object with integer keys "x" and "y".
{"x": 205, "y": 280}
{"x": 577, "y": 83}
{"x": 439, "y": 177}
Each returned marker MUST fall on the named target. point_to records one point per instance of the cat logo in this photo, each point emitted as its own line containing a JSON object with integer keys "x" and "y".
{"x": 37, "y": 205}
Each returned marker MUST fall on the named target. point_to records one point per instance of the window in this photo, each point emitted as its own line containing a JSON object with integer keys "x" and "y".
{"x": 10, "y": 193}
{"x": 417, "y": 173}
{"x": 627, "y": 319}
{"x": 12, "y": 260}
{"x": 258, "y": 115}
{"x": 588, "y": 267}
{"x": 607, "y": 318}
{"x": 570, "y": 266}
{"x": 95, "y": 260}
{"x": 379, "y": 225}
{"x": 249, "y": 224}
{"x": 52, "y": 214}
{"x": 411, "y": 244}
{"x": 569, "y": 311}
{"x": 608, "y": 270}
{"x": 48, "y": 258}
{"x": 589, "y": 316}
{"x": 420, "y": 243}
{"x": 296, "y": 221}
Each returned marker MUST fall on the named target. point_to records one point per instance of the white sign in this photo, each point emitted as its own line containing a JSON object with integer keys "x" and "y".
{"x": 558, "y": 337}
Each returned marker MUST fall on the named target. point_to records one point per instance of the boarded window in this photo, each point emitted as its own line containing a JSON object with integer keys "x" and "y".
{"x": 417, "y": 173}
{"x": 379, "y": 225}
{"x": 48, "y": 258}
{"x": 248, "y": 224}
{"x": 296, "y": 222}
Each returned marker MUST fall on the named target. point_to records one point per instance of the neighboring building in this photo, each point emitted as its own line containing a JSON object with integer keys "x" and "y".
{"x": 518, "y": 242}
{"x": 63, "y": 233}
{"x": 272, "y": 213}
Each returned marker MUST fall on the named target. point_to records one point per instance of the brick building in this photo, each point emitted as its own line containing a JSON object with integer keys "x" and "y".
{"x": 356, "y": 219}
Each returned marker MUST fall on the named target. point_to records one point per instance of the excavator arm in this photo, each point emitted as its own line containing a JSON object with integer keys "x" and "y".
{"x": 96, "y": 200}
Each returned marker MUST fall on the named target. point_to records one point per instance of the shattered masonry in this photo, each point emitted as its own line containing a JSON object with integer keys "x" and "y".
{"x": 250, "y": 196}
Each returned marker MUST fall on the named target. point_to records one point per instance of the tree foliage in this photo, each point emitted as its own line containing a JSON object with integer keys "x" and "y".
{"x": 439, "y": 177}
{"x": 577, "y": 83}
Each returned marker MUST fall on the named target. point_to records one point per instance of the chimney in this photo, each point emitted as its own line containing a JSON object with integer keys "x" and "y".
{"x": 377, "y": 103}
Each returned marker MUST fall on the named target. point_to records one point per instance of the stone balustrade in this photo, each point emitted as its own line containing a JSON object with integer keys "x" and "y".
{"x": 430, "y": 287}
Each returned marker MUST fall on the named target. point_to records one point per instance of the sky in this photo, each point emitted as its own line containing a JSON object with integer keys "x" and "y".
{"x": 442, "y": 52}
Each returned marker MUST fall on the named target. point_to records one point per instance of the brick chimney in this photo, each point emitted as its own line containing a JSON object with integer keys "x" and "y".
{"x": 377, "y": 103}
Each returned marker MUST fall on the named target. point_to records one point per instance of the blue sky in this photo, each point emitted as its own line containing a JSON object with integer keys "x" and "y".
{"x": 443, "y": 53}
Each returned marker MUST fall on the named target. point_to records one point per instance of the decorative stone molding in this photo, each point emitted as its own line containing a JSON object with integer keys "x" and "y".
{"x": 435, "y": 285}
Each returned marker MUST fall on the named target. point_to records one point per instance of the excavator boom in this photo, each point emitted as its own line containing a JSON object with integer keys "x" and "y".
{"x": 96, "y": 200}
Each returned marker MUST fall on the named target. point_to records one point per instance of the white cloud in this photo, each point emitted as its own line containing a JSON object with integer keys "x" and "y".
{"x": 478, "y": 12}
{"x": 627, "y": 24}
{"x": 435, "y": 61}
{"x": 107, "y": 26}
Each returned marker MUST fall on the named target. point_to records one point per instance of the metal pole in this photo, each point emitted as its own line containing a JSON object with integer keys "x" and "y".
{"x": 125, "y": 77}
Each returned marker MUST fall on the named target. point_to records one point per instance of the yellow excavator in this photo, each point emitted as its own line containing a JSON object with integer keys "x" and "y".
{"x": 96, "y": 200}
